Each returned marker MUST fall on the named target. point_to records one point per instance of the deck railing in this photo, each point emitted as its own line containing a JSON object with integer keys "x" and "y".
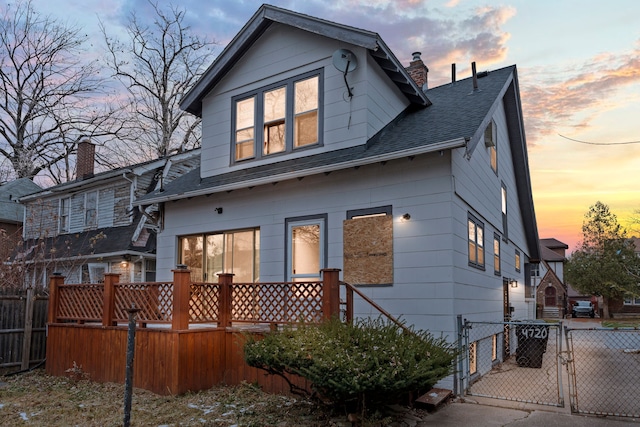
{"x": 182, "y": 302}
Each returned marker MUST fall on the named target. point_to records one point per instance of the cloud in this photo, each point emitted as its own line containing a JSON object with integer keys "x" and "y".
{"x": 573, "y": 96}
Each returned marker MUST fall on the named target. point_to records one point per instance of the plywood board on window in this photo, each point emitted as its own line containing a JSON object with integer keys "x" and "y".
{"x": 368, "y": 250}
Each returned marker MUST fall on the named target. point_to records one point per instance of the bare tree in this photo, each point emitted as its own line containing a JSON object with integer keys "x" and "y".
{"x": 158, "y": 65}
{"x": 47, "y": 93}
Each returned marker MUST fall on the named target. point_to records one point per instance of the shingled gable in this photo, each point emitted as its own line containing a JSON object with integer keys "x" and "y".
{"x": 267, "y": 15}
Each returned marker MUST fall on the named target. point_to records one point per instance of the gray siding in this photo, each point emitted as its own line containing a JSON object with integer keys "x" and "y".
{"x": 282, "y": 53}
{"x": 423, "y": 248}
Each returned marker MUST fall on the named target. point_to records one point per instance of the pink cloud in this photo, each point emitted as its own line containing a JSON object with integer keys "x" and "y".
{"x": 553, "y": 103}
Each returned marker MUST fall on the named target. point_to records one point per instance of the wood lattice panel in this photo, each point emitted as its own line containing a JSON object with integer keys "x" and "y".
{"x": 154, "y": 299}
{"x": 80, "y": 302}
{"x": 276, "y": 302}
{"x": 204, "y": 305}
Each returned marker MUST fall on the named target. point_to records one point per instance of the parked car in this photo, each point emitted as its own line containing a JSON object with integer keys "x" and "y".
{"x": 583, "y": 308}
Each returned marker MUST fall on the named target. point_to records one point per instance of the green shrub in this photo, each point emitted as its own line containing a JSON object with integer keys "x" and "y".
{"x": 369, "y": 361}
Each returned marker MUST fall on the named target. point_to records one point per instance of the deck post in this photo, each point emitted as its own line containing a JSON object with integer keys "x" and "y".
{"x": 181, "y": 297}
{"x": 349, "y": 302}
{"x": 224, "y": 317}
{"x": 109, "y": 298}
{"x": 54, "y": 296}
{"x": 330, "y": 293}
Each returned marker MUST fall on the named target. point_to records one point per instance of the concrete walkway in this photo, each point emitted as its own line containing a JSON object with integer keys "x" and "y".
{"x": 478, "y": 411}
{"x": 483, "y": 412}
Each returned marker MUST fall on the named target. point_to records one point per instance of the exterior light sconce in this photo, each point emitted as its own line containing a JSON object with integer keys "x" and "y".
{"x": 124, "y": 264}
{"x": 513, "y": 283}
{"x": 218, "y": 210}
{"x": 406, "y": 217}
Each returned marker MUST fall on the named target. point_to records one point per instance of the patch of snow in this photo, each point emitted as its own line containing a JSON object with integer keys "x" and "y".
{"x": 226, "y": 414}
{"x": 24, "y": 417}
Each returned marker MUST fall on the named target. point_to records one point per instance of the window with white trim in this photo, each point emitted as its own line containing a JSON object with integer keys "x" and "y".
{"x": 494, "y": 347}
{"x": 631, "y": 301}
{"x": 278, "y": 118}
{"x": 518, "y": 261}
{"x": 91, "y": 209}
{"x": 473, "y": 357}
{"x": 64, "y": 218}
{"x": 476, "y": 242}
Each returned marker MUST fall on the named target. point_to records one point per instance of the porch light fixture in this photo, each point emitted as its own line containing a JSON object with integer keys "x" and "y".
{"x": 124, "y": 264}
{"x": 406, "y": 217}
{"x": 218, "y": 210}
{"x": 513, "y": 283}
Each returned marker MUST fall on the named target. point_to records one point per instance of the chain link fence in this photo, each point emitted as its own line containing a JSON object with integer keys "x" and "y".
{"x": 604, "y": 371}
{"x": 512, "y": 361}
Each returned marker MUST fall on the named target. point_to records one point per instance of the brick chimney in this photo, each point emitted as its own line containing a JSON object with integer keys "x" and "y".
{"x": 418, "y": 71}
{"x": 85, "y": 159}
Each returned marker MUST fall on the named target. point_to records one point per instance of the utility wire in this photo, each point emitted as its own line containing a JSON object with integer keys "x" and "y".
{"x": 599, "y": 143}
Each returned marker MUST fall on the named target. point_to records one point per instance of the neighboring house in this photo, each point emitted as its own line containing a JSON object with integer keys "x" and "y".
{"x": 11, "y": 211}
{"x": 321, "y": 151}
{"x": 88, "y": 227}
{"x": 548, "y": 279}
{"x": 630, "y": 306}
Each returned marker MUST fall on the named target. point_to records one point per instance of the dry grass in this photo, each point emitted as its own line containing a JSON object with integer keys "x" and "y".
{"x": 37, "y": 399}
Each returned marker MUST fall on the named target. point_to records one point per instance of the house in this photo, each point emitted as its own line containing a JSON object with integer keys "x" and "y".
{"x": 87, "y": 227}
{"x": 629, "y": 306}
{"x": 321, "y": 150}
{"x": 548, "y": 279}
{"x": 11, "y": 211}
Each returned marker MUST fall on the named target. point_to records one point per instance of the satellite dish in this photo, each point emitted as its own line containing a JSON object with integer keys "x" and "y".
{"x": 344, "y": 60}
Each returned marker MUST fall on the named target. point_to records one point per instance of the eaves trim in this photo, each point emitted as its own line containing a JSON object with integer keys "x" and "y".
{"x": 444, "y": 145}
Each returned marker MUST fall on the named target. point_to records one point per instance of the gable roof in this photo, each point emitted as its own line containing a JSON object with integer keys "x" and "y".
{"x": 114, "y": 174}
{"x": 10, "y": 210}
{"x": 265, "y": 17}
{"x": 415, "y": 131}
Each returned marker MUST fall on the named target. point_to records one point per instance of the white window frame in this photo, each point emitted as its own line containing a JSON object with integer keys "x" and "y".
{"x": 64, "y": 215}
{"x": 289, "y": 119}
{"x": 86, "y": 209}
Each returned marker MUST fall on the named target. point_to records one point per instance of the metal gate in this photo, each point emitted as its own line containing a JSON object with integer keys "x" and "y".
{"x": 604, "y": 371}
{"x": 527, "y": 369}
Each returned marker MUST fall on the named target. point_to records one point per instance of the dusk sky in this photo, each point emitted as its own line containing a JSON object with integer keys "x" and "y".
{"x": 578, "y": 64}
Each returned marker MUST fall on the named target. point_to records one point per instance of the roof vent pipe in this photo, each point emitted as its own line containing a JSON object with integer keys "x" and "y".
{"x": 453, "y": 73}
{"x": 475, "y": 76}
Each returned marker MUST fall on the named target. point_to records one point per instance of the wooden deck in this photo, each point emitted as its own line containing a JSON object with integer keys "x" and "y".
{"x": 189, "y": 336}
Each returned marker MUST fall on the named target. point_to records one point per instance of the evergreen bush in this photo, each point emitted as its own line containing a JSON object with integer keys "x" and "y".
{"x": 369, "y": 361}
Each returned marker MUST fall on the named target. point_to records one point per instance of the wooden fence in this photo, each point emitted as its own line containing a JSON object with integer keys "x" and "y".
{"x": 23, "y": 321}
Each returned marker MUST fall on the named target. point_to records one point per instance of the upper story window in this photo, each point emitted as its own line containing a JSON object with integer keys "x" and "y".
{"x": 64, "y": 219}
{"x": 535, "y": 270}
{"x": 503, "y": 197}
{"x": 518, "y": 261}
{"x": 476, "y": 242}
{"x": 278, "y": 118}
{"x": 91, "y": 209}
{"x": 490, "y": 141}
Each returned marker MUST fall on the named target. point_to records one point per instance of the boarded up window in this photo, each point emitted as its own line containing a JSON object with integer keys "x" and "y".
{"x": 368, "y": 250}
